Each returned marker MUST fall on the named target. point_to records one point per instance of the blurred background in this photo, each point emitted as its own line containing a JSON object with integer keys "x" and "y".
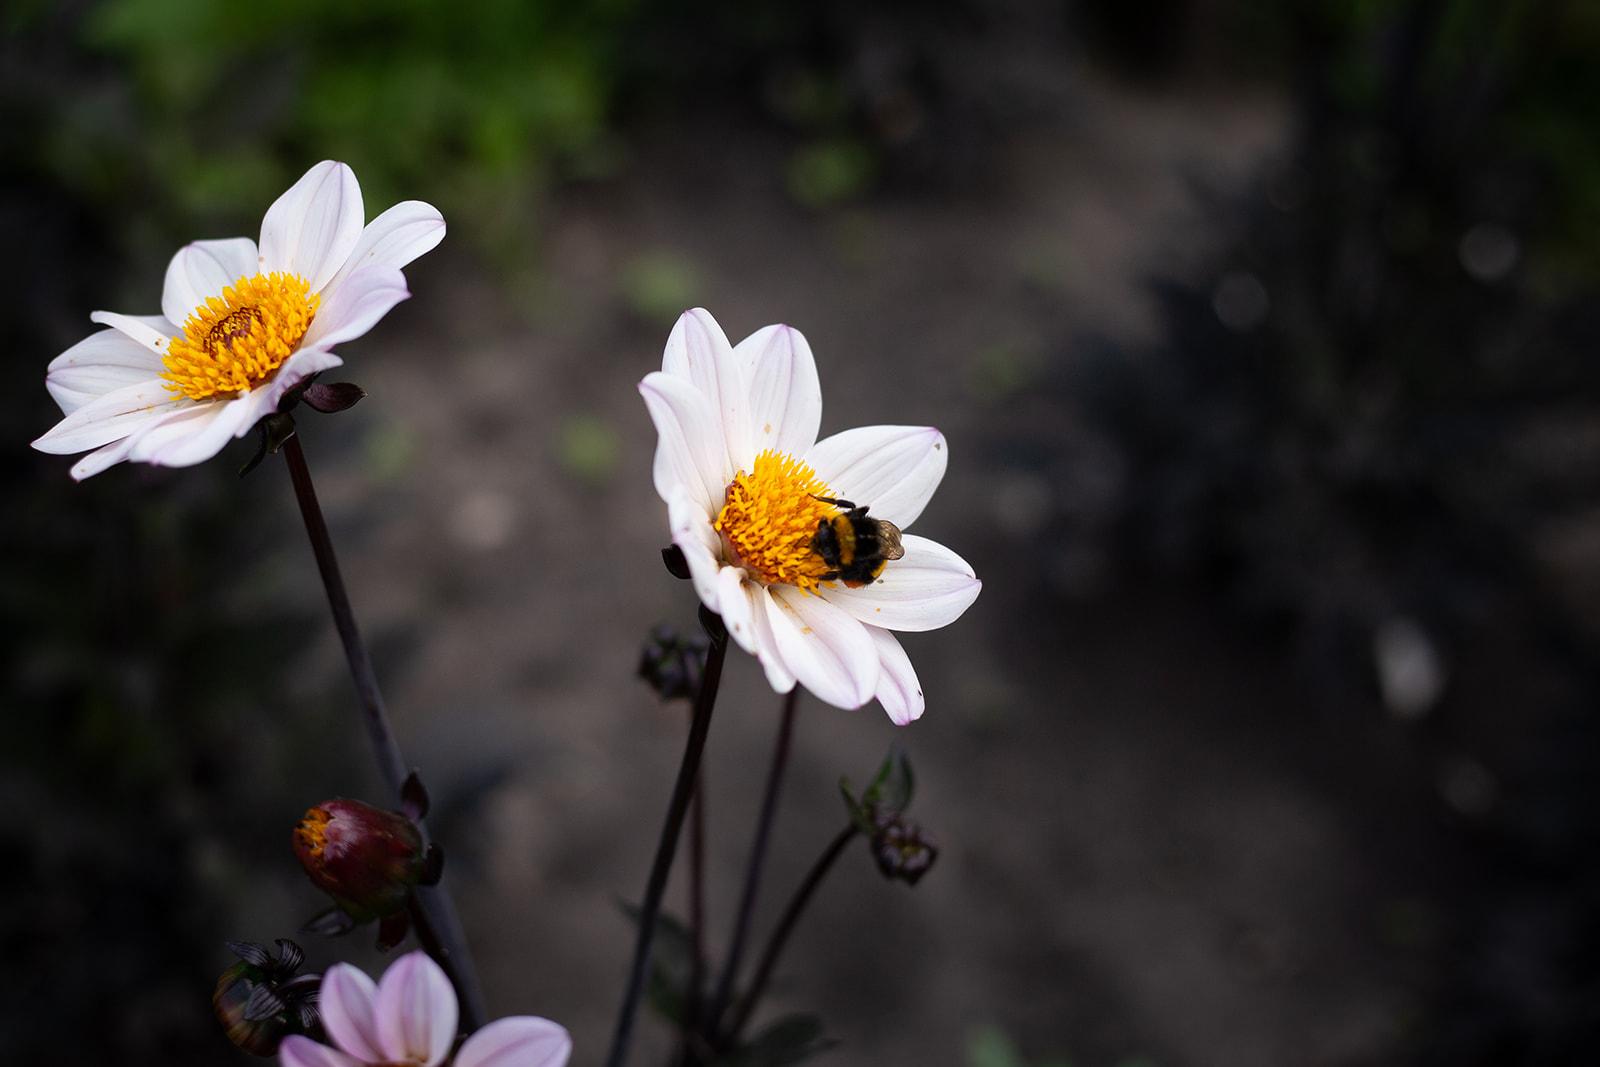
{"x": 1265, "y": 339}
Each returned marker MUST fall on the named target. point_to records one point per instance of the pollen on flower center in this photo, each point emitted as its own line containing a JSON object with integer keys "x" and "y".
{"x": 235, "y": 341}
{"x": 770, "y": 520}
{"x": 311, "y": 835}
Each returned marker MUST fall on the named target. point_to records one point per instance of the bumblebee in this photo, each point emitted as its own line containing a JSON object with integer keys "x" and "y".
{"x": 854, "y": 546}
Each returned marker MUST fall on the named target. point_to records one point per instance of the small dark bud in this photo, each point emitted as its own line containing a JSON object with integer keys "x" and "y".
{"x": 671, "y": 664}
{"x": 901, "y": 849}
{"x": 677, "y": 566}
{"x": 414, "y": 797}
{"x": 332, "y": 397}
{"x": 365, "y": 858}
{"x": 259, "y": 1000}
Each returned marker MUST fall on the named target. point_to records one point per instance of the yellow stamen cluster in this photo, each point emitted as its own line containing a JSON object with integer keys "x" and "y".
{"x": 234, "y": 342}
{"x": 771, "y": 518}
{"x": 312, "y": 832}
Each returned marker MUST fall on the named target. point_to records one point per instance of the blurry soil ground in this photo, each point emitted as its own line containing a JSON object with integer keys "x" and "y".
{"x": 1153, "y": 846}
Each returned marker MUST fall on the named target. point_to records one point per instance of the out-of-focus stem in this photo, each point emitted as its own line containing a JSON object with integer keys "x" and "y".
{"x": 780, "y": 935}
{"x": 667, "y": 846}
{"x": 758, "y": 856}
{"x": 438, "y": 925}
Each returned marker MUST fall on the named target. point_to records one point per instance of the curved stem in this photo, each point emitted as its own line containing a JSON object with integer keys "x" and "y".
{"x": 780, "y": 935}
{"x": 758, "y": 855}
{"x": 438, "y": 925}
{"x": 705, "y": 700}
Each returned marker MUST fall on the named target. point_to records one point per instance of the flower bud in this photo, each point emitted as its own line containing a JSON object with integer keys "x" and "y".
{"x": 901, "y": 849}
{"x": 365, "y": 858}
{"x": 259, "y": 1001}
{"x": 670, "y": 664}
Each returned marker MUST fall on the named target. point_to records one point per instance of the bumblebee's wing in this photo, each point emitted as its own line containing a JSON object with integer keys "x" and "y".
{"x": 889, "y": 536}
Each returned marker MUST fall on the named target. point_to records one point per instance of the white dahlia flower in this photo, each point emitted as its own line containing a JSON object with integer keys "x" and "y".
{"x": 764, "y": 515}
{"x": 240, "y": 325}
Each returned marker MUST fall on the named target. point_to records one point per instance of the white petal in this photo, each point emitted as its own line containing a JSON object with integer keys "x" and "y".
{"x": 356, "y": 306}
{"x": 304, "y": 363}
{"x": 701, "y": 546}
{"x": 416, "y": 1011}
{"x": 735, "y": 607}
{"x": 898, "y": 689}
{"x": 313, "y": 227}
{"x": 100, "y": 459}
{"x": 393, "y": 239}
{"x": 518, "y": 1041}
{"x": 192, "y": 436}
{"x": 698, "y": 352}
{"x": 778, "y": 674}
{"x": 828, "y": 651}
{"x": 928, "y": 588}
{"x": 111, "y": 417}
{"x": 785, "y": 394}
{"x": 203, "y": 269}
{"x": 891, "y": 469}
{"x": 689, "y": 450}
{"x": 148, "y": 330}
{"x": 104, "y": 361}
{"x": 348, "y": 1002}
{"x": 298, "y": 1051}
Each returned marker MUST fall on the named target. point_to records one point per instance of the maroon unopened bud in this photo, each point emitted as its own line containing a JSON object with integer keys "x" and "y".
{"x": 259, "y": 1000}
{"x": 365, "y": 858}
{"x": 902, "y": 849}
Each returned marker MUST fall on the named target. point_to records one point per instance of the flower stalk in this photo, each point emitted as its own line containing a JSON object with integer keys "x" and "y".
{"x": 677, "y": 808}
{"x": 758, "y": 856}
{"x": 438, "y": 924}
{"x": 781, "y": 933}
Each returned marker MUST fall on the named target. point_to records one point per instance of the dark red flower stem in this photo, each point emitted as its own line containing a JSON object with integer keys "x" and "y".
{"x": 438, "y": 925}
{"x": 758, "y": 856}
{"x": 682, "y": 790}
{"x": 780, "y": 935}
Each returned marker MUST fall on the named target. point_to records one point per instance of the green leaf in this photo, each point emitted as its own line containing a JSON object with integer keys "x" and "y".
{"x": 791, "y": 1039}
{"x": 671, "y": 964}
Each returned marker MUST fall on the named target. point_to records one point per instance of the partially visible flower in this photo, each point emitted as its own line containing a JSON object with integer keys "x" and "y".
{"x": 365, "y": 858}
{"x": 241, "y": 324}
{"x": 263, "y": 997}
{"x": 408, "y": 1019}
{"x": 747, "y": 483}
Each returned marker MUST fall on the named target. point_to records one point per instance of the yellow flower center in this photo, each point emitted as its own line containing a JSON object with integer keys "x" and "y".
{"x": 234, "y": 342}
{"x": 770, "y": 520}
{"x": 312, "y": 833}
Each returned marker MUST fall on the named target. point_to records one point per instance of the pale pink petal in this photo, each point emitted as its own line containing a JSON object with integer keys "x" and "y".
{"x": 778, "y": 675}
{"x": 689, "y": 450}
{"x": 518, "y": 1041}
{"x": 355, "y": 307}
{"x": 312, "y": 228}
{"x": 700, "y": 544}
{"x": 734, "y": 607}
{"x": 202, "y": 270}
{"x": 828, "y": 651}
{"x": 785, "y": 394}
{"x": 393, "y": 239}
{"x": 148, "y": 330}
{"x": 349, "y": 1012}
{"x": 416, "y": 1011}
{"x": 893, "y": 470}
{"x": 898, "y": 689}
{"x": 698, "y": 352}
{"x": 192, "y": 436}
{"x": 298, "y": 1051}
{"x": 928, "y": 588}
{"x": 101, "y": 363}
{"x": 111, "y": 417}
